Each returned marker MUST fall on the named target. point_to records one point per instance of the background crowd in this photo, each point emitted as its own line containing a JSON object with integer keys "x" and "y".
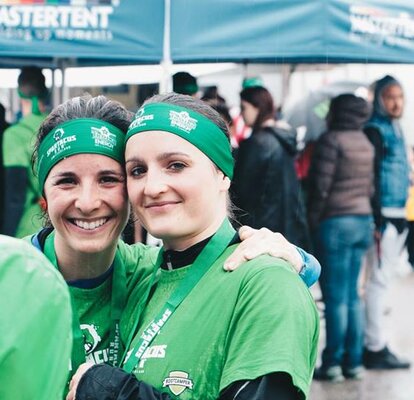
{"x": 348, "y": 198}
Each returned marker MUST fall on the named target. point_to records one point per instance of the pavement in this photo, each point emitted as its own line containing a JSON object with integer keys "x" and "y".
{"x": 381, "y": 385}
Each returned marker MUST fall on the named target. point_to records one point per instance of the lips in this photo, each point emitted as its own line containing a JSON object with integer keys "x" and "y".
{"x": 161, "y": 204}
{"x": 89, "y": 225}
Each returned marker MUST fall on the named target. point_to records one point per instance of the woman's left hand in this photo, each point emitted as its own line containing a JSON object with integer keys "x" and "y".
{"x": 73, "y": 386}
{"x": 256, "y": 242}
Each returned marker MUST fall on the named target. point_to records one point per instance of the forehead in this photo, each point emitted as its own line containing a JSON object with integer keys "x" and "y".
{"x": 149, "y": 143}
{"x": 82, "y": 163}
{"x": 392, "y": 91}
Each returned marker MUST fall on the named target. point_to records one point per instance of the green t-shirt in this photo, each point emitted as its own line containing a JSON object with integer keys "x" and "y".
{"x": 35, "y": 324}
{"x": 18, "y": 146}
{"x": 234, "y": 326}
{"x": 93, "y": 306}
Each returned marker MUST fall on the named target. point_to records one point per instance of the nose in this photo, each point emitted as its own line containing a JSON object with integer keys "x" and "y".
{"x": 88, "y": 199}
{"x": 155, "y": 183}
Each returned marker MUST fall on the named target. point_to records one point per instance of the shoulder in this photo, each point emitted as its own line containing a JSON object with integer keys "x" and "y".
{"x": 274, "y": 279}
{"x": 139, "y": 259}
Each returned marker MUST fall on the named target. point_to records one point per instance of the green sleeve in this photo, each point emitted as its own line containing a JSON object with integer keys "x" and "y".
{"x": 274, "y": 327}
{"x": 35, "y": 328}
{"x": 17, "y": 149}
{"x": 139, "y": 261}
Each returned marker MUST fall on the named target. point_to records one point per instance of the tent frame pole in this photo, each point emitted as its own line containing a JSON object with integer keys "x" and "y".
{"x": 166, "y": 63}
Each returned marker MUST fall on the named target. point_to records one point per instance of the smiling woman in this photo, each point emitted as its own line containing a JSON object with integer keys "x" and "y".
{"x": 80, "y": 162}
{"x": 204, "y": 334}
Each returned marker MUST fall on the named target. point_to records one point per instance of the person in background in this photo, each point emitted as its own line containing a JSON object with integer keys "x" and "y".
{"x": 185, "y": 83}
{"x": 388, "y": 256}
{"x": 341, "y": 184}
{"x": 265, "y": 187}
{"x": 3, "y": 126}
{"x": 21, "y": 210}
{"x": 35, "y": 324}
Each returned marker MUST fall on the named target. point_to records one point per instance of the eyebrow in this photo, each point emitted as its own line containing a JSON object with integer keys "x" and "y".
{"x": 70, "y": 173}
{"x": 161, "y": 157}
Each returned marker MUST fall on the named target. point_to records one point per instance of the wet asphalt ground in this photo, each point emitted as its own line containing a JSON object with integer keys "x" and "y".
{"x": 381, "y": 385}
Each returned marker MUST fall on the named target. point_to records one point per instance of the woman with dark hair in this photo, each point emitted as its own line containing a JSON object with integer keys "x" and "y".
{"x": 79, "y": 156}
{"x": 204, "y": 334}
{"x": 265, "y": 187}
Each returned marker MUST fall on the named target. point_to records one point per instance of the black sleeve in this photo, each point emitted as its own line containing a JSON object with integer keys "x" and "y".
{"x": 276, "y": 386}
{"x": 103, "y": 382}
{"x": 15, "y": 184}
{"x": 375, "y": 138}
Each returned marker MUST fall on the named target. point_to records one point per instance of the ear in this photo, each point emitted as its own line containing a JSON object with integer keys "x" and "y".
{"x": 43, "y": 203}
{"x": 225, "y": 182}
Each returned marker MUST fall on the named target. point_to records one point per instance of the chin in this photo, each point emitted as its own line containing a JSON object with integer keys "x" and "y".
{"x": 91, "y": 247}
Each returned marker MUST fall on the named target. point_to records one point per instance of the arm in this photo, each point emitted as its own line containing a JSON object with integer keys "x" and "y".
{"x": 276, "y": 386}
{"x": 274, "y": 339}
{"x": 15, "y": 182}
{"x": 263, "y": 241}
{"x": 375, "y": 138}
{"x": 104, "y": 382}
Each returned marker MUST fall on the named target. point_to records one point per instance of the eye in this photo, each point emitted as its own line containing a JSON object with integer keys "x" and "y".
{"x": 111, "y": 179}
{"x": 67, "y": 181}
{"x": 137, "y": 171}
{"x": 177, "y": 166}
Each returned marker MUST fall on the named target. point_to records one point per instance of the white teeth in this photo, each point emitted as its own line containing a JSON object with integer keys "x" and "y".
{"x": 90, "y": 225}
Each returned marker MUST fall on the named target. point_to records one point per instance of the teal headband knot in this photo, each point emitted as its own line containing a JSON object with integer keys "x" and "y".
{"x": 79, "y": 136}
{"x": 189, "y": 125}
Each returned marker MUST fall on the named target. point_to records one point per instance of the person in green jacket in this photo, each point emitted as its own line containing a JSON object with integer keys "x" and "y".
{"x": 80, "y": 161}
{"x": 21, "y": 209}
{"x": 35, "y": 321}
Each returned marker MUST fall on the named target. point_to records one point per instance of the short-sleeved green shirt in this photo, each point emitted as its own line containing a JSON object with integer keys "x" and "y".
{"x": 234, "y": 326}
{"x": 35, "y": 324}
{"x": 18, "y": 146}
{"x": 93, "y": 306}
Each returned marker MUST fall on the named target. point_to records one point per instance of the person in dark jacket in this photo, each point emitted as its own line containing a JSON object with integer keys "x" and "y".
{"x": 389, "y": 258}
{"x": 265, "y": 187}
{"x": 341, "y": 183}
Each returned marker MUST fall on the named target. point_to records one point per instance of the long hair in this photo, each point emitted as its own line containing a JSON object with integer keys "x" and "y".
{"x": 260, "y": 98}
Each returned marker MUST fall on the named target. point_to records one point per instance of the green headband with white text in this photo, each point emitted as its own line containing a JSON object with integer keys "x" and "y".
{"x": 79, "y": 136}
{"x": 189, "y": 125}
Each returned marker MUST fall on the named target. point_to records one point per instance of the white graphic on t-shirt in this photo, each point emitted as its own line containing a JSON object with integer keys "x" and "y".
{"x": 177, "y": 382}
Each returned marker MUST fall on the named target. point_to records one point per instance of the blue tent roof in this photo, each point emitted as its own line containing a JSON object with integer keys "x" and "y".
{"x": 292, "y": 31}
{"x": 89, "y": 31}
{"x": 94, "y": 32}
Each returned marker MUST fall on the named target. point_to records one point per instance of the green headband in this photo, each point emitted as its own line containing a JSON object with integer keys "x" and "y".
{"x": 79, "y": 136}
{"x": 189, "y": 125}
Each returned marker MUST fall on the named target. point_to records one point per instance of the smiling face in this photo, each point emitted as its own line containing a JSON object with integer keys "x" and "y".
{"x": 87, "y": 203}
{"x": 175, "y": 190}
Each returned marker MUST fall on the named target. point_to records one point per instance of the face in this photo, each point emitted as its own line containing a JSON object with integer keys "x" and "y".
{"x": 249, "y": 113}
{"x": 175, "y": 190}
{"x": 393, "y": 100}
{"x": 87, "y": 202}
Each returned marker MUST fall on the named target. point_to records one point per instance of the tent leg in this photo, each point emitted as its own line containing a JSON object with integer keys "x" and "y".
{"x": 166, "y": 63}
{"x": 55, "y": 89}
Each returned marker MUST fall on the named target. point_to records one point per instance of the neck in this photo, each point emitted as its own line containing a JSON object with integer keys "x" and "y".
{"x": 74, "y": 265}
{"x": 183, "y": 243}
